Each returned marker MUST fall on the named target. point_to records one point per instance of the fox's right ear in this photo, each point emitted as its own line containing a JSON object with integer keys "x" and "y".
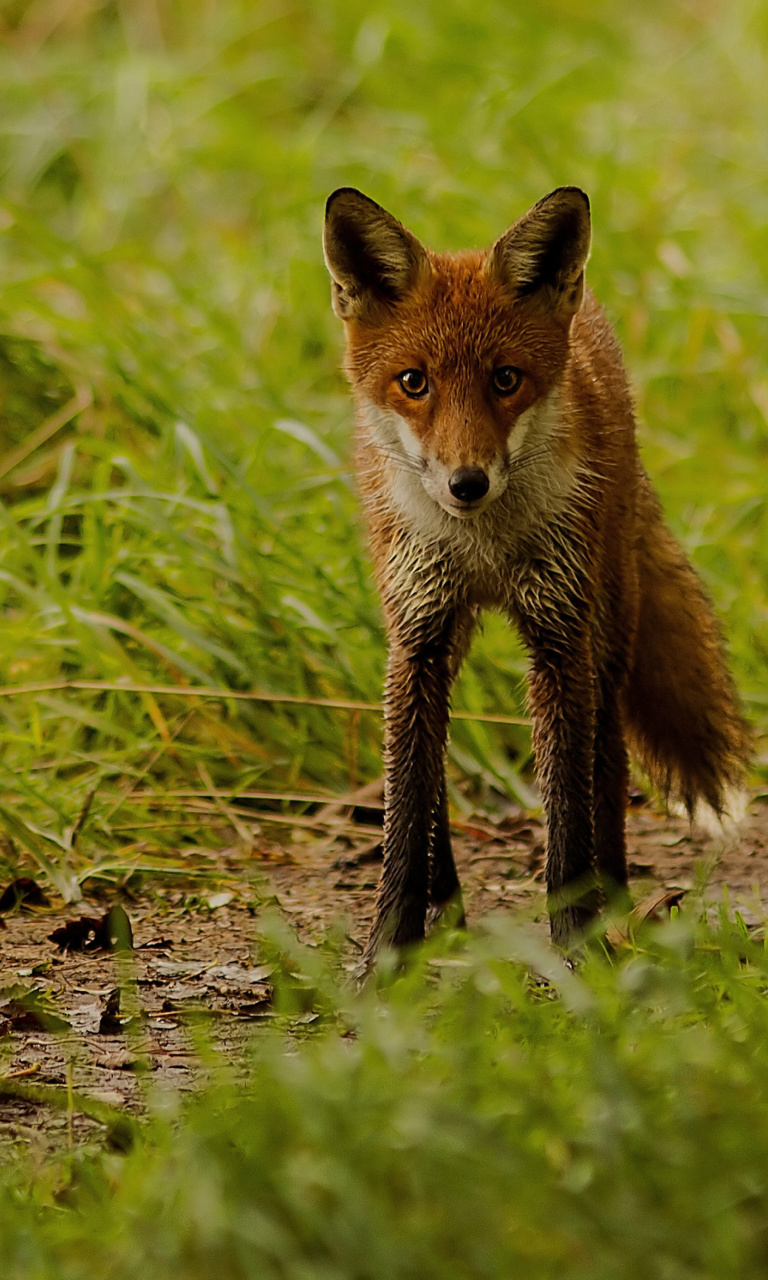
{"x": 370, "y": 255}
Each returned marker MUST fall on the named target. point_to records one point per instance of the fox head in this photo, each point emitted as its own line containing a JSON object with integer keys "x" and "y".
{"x": 454, "y": 358}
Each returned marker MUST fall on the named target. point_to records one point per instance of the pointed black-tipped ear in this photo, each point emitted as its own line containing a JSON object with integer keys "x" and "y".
{"x": 545, "y": 251}
{"x": 370, "y": 255}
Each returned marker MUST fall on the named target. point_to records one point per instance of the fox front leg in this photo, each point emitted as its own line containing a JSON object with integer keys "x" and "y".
{"x": 419, "y": 678}
{"x": 445, "y": 899}
{"x": 562, "y": 702}
{"x": 611, "y": 791}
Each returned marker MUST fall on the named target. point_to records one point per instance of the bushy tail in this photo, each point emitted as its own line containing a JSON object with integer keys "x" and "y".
{"x": 681, "y": 707}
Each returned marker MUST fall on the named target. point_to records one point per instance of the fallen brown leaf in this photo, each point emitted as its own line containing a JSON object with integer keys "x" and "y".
{"x": 110, "y": 932}
{"x": 654, "y": 906}
{"x": 23, "y": 892}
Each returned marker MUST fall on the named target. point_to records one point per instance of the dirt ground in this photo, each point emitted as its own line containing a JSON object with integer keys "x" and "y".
{"x": 194, "y": 955}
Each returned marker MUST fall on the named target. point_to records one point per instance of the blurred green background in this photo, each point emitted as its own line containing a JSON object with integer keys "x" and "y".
{"x": 177, "y": 505}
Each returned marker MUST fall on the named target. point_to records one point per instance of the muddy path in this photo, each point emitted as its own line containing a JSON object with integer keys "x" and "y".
{"x": 112, "y": 1027}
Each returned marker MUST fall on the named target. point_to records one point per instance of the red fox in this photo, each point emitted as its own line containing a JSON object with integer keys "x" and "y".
{"x": 498, "y": 469}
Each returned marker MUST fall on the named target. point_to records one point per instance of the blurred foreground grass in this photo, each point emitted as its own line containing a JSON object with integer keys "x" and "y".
{"x": 176, "y": 505}
{"x": 486, "y": 1114}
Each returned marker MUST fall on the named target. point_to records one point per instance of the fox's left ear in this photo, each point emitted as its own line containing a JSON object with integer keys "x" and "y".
{"x": 544, "y": 253}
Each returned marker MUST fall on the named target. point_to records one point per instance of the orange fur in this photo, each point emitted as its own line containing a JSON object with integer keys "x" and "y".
{"x": 498, "y": 469}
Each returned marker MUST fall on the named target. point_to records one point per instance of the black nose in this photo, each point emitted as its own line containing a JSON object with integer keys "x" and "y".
{"x": 469, "y": 484}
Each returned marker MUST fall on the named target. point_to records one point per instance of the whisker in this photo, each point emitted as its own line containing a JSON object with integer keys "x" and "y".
{"x": 405, "y": 461}
{"x": 525, "y": 459}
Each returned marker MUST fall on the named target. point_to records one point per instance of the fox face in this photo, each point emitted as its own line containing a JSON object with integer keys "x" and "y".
{"x": 455, "y": 359}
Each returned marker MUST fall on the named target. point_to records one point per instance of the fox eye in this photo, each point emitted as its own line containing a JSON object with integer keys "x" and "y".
{"x": 413, "y": 382}
{"x": 506, "y": 379}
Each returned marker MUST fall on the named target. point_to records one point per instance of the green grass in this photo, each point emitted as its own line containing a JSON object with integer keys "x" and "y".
{"x": 469, "y": 1119}
{"x": 162, "y": 176}
{"x": 177, "y": 509}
